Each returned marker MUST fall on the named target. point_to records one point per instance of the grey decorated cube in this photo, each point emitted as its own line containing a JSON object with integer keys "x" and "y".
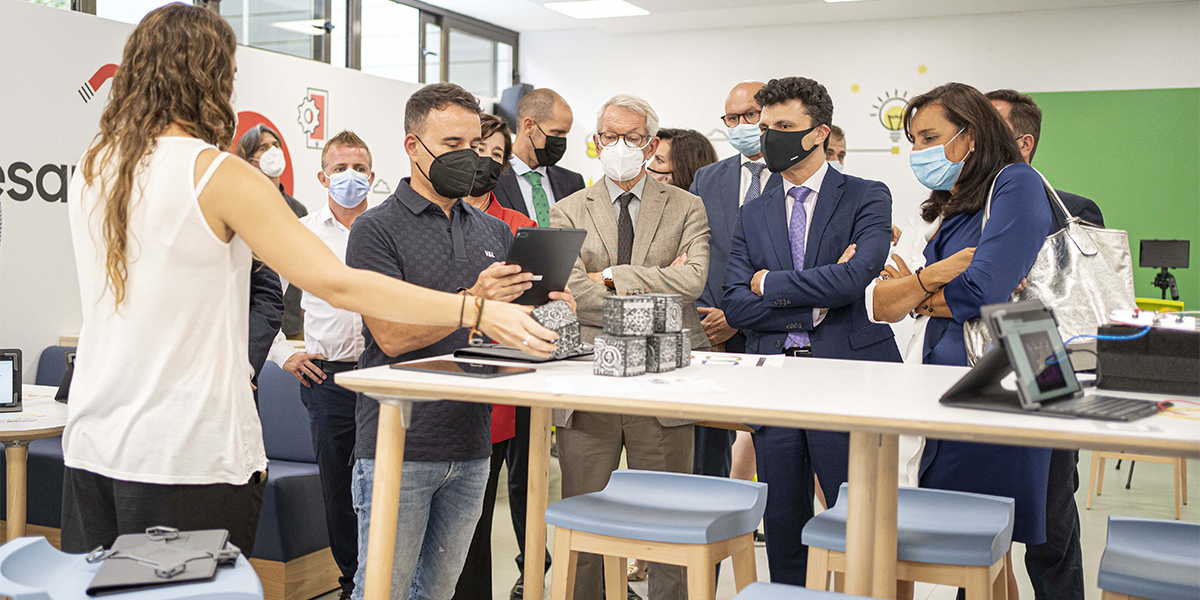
{"x": 559, "y": 317}
{"x": 660, "y": 352}
{"x": 683, "y": 356}
{"x": 619, "y": 356}
{"x": 628, "y": 315}
{"x": 668, "y": 312}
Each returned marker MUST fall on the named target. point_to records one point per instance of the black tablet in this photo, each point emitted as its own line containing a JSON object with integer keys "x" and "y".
{"x": 1029, "y": 336}
{"x": 549, "y": 254}
{"x": 10, "y": 380}
{"x": 462, "y": 368}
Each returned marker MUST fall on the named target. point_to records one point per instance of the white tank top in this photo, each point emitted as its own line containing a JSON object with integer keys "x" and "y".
{"x": 161, "y": 389}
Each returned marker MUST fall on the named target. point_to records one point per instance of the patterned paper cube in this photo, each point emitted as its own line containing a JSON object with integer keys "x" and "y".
{"x": 668, "y": 312}
{"x": 660, "y": 352}
{"x": 628, "y": 315}
{"x": 683, "y": 354}
{"x": 619, "y": 356}
{"x": 558, "y": 316}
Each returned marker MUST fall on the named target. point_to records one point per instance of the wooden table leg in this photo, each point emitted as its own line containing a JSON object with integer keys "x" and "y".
{"x": 385, "y": 502}
{"x": 16, "y": 454}
{"x": 886, "y": 490}
{"x": 860, "y": 526}
{"x": 536, "y": 499}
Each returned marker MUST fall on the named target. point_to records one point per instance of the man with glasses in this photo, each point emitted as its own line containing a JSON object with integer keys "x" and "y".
{"x": 534, "y": 183}
{"x": 643, "y": 236}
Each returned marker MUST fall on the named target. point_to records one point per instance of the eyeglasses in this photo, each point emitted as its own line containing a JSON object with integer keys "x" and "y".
{"x": 633, "y": 140}
{"x": 732, "y": 119}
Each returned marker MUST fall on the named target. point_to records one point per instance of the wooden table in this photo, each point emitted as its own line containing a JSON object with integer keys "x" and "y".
{"x": 875, "y": 402}
{"x": 16, "y": 435}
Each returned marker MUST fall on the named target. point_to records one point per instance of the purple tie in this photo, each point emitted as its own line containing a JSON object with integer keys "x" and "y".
{"x": 797, "y": 235}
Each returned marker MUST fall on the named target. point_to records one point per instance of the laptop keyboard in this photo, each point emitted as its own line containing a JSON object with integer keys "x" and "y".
{"x": 1105, "y": 408}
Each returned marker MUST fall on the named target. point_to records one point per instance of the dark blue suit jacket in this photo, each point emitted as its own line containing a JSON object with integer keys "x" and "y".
{"x": 849, "y": 210}
{"x": 563, "y": 182}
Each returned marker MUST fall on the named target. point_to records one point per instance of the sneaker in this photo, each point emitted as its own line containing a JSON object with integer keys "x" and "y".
{"x": 518, "y": 589}
{"x": 760, "y": 538}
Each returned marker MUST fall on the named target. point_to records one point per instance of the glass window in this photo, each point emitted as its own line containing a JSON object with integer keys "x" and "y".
{"x": 287, "y": 26}
{"x": 390, "y": 43}
{"x": 472, "y": 63}
{"x": 53, "y": 3}
{"x": 126, "y": 11}
{"x": 431, "y": 53}
{"x": 504, "y": 67}
{"x": 341, "y": 28}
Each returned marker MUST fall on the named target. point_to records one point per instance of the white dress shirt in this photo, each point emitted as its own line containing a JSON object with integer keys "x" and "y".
{"x": 810, "y": 205}
{"x": 745, "y": 183}
{"x": 614, "y": 191}
{"x": 332, "y": 332}
{"x": 520, "y": 169}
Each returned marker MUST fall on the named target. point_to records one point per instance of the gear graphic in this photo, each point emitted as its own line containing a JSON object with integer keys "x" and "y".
{"x": 309, "y": 115}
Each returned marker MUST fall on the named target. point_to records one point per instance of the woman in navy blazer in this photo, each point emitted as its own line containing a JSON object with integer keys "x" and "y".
{"x": 961, "y": 147}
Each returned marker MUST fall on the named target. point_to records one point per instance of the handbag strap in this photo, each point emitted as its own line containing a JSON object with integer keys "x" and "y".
{"x": 987, "y": 208}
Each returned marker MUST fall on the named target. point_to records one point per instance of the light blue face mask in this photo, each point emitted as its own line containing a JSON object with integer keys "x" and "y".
{"x": 349, "y": 187}
{"x": 746, "y": 139}
{"x": 837, "y": 166}
{"x": 933, "y": 169}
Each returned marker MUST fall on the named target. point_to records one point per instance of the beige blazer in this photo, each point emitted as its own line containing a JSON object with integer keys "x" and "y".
{"x": 670, "y": 222}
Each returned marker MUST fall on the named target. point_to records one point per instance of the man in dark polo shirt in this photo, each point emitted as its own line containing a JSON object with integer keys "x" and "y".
{"x": 425, "y": 235}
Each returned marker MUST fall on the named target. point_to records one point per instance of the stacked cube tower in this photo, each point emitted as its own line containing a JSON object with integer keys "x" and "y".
{"x": 642, "y": 334}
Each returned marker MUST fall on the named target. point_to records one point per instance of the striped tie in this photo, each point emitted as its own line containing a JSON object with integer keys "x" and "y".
{"x": 755, "y": 189}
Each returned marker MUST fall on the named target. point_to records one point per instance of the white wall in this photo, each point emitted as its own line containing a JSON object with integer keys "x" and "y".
{"x": 45, "y": 121}
{"x": 686, "y": 75}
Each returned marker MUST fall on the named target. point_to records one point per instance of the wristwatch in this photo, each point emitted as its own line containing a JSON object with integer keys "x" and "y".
{"x": 606, "y": 274}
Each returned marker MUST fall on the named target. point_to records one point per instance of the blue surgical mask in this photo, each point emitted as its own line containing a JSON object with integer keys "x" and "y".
{"x": 349, "y": 187}
{"x": 837, "y": 166}
{"x": 746, "y": 139}
{"x": 933, "y": 169}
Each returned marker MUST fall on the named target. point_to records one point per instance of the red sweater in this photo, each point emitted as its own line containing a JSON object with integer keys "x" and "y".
{"x": 504, "y": 418}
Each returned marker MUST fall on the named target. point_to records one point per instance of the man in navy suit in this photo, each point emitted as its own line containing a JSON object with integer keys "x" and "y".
{"x": 801, "y": 257}
{"x": 531, "y": 187}
{"x": 724, "y": 186}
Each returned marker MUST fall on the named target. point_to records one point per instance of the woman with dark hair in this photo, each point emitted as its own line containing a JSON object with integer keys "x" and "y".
{"x": 494, "y": 152}
{"x": 964, "y": 152}
{"x": 681, "y": 152}
{"x": 261, "y": 147}
{"x": 162, "y": 428}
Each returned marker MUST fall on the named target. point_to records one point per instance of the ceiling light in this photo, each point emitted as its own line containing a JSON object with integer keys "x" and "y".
{"x": 597, "y": 9}
{"x": 314, "y": 27}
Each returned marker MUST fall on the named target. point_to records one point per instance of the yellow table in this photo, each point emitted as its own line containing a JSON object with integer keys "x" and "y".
{"x": 46, "y": 418}
{"x": 875, "y": 402}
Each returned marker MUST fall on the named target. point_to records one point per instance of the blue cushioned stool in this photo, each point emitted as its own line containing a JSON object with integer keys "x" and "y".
{"x": 1149, "y": 558}
{"x": 942, "y": 537}
{"x": 668, "y": 518}
{"x": 779, "y": 591}
{"x": 32, "y": 569}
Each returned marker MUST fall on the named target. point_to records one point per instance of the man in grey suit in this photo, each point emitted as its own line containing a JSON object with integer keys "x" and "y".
{"x": 643, "y": 237}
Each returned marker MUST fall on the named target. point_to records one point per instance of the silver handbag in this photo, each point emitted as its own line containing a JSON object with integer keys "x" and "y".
{"x": 1082, "y": 273}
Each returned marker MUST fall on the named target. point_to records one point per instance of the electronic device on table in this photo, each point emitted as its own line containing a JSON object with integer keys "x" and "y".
{"x": 1164, "y": 254}
{"x": 64, "y": 387}
{"x": 1029, "y": 346}
{"x": 461, "y": 368}
{"x": 10, "y": 380}
{"x": 550, "y": 255}
{"x": 498, "y": 352}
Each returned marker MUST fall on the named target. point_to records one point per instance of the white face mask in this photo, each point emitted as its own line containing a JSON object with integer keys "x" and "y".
{"x": 272, "y": 162}
{"x": 620, "y": 162}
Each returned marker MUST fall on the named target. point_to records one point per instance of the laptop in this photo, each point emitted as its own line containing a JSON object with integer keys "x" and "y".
{"x": 1029, "y": 348}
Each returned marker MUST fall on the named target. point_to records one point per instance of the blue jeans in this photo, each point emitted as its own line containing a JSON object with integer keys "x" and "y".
{"x": 440, "y": 503}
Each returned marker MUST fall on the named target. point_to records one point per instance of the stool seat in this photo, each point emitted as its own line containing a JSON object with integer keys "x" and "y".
{"x": 1152, "y": 559}
{"x": 665, "y": 507}
{"x": 32, "y": 569}
{"x": 779, "y": 591}
{"x": 933, "y": 526}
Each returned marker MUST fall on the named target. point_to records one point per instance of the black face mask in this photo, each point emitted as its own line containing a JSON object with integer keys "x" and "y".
{"x": 487, "y": 174}
{"x": 783, "y": 149}
{"x": 556, "y": 147}
{"x": 452, "y": 173}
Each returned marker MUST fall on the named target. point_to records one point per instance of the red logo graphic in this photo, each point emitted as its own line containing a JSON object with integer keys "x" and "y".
{"x": 312, "y": 116}
{"x": 246, "y": 120}
{"x": 88, "y": 89}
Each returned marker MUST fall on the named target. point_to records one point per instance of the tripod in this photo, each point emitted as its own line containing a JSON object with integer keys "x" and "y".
{"x": 1164, "y": 281}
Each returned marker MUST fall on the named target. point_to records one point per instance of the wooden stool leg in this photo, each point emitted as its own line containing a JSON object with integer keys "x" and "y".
{"x": 1100, "y": 478}
{"x": 1183, "y": 473}
{"x": 745, "y": 567}
{"x": 615, "y": 577}
{"x": 1091, "y": 488}
{"x": 839, "y": 582}
{"x": 562, "y": 576}
{"x": 817, "y": 577}
{"x": 1000, "y": 585}
{"x": 1107, "y": 595}
{"x": 1178, "y": 495}
{"x": 701, "y": 574}
{"x": 979, "y": 585}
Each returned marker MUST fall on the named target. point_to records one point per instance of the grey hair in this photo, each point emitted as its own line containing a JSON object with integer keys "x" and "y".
{"x": 634, "y": 104}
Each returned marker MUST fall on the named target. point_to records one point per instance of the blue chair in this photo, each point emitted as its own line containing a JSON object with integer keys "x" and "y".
{"x": 942, "y": 537}
{"x": 32, "y": 569}
{"x": 1149, "y": 558}
{"x": 668, "y": 518}
{"x": 52, "y": 365}
{"x": 779, "y": 591}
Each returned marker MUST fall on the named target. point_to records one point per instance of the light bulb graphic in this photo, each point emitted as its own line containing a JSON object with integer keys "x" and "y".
{"x": 890, "y": 111}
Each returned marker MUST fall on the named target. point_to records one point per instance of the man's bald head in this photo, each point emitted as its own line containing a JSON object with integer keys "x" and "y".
{"x": 741, "y": 97}
{"x": 539, "y": 105}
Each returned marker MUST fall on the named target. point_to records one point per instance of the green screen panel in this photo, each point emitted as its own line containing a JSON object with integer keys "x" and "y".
{"x": 1136, "y": 153}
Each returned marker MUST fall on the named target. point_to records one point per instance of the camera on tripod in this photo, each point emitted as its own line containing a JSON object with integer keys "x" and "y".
{"x": 1165, "y": 254}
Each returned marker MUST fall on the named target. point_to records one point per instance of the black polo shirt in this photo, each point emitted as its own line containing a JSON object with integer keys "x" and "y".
{"x": 410, "y": 238}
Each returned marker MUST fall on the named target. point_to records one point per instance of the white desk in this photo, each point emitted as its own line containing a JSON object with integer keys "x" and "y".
{"x": 49, "y": 419}
{"x": 875, "y": 402}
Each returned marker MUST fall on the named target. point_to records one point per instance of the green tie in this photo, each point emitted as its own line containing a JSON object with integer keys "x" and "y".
{"x": 541, "y": 204}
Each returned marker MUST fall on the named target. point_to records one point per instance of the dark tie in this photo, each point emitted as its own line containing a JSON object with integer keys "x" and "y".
{"x": 755, "y": 189}
{"x": 625, "y": 230}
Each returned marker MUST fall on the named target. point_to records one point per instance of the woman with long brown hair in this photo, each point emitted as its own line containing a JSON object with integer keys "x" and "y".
{"x": 162, "y": 428}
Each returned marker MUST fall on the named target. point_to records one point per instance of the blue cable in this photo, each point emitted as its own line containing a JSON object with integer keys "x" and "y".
{"x": 1111, "y": 338}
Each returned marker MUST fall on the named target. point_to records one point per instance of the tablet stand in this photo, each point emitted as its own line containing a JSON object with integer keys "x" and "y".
{"x": 980, "y": 388}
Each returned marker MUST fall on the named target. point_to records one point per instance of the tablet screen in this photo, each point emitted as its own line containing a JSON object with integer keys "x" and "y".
{"x": 1036, "y": 352}
{"x": 1047, "y": 371}
{"x": 8, "y": 381}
